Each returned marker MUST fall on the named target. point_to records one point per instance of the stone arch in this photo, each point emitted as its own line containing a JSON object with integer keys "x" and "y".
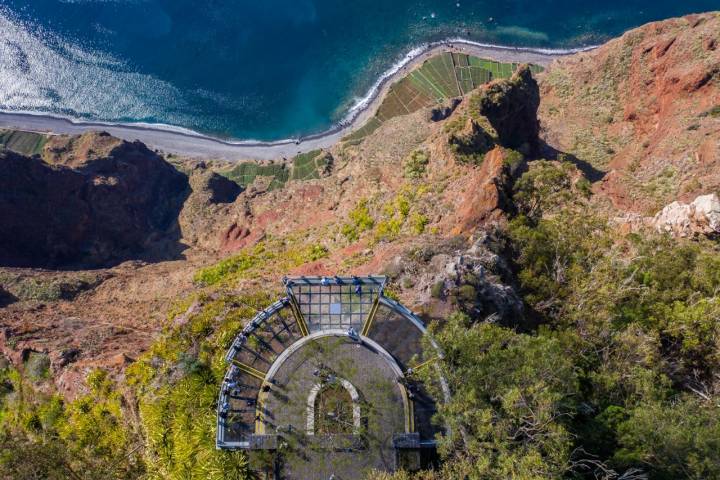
{"x": 312, "y": 405}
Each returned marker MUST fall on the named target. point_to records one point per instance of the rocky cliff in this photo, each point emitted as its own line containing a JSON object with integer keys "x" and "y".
{"x": 94, "y": 200}
{"x": 641, "y": 112}
{"x": 97, "y": 211}
{"x": 421, "y": 198}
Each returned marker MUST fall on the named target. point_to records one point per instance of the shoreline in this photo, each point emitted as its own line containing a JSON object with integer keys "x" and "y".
{"x": 186, "y": 142}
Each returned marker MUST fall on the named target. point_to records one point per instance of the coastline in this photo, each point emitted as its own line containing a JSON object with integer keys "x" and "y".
{"x": 185, "y": 142}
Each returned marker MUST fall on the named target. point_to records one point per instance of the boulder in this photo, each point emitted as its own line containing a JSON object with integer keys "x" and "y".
{"x": 702, "y": 216}
{"x": 66, "y": 357}
{"x": 441, "y": 278}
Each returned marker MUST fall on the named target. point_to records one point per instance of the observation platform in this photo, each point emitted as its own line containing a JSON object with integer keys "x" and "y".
{"x": 324, "y": 378}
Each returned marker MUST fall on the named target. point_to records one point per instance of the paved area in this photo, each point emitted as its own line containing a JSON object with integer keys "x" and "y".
{"x": 305, "y": 456}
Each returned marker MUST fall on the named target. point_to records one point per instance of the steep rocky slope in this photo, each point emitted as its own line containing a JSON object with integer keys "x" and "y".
{"x": 415, "y": 191}
{"x": 418, "y": 199}
{"x": 90, "y": 211}
{"x": 471, "y": 224}
{"x": 642, "y": 112}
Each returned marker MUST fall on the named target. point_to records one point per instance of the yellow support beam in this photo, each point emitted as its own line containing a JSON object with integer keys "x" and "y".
{"x": 411, "y": 404}
{"x": 371, "y": 317}
{"x": 299, "y": 317}
{"x": 254, "y": 372}
{"x": 423, "y": 364}
{"x": 260, "y": 411}
{"x": 249, "y": 370}
{"x": 409, "y": 410}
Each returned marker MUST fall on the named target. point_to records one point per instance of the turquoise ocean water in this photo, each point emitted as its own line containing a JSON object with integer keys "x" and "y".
{"x": 267, "y": 69}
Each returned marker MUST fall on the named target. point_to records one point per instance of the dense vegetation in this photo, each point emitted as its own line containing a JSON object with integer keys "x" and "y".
{"x": 621, "y": 378}
{"x": 618, "y": 379}
{"x": 42, "y": 436}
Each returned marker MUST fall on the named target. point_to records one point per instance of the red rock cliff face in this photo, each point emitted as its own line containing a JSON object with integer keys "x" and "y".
{"x": 105, "y": 210}
{"x": 644, "y": 110}
{"x": 484, "y": 200}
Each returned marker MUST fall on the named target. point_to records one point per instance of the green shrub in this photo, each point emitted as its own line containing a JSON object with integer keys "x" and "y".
{"x": 415, "y": 165}
{"x": 316, "y": 252}
{"x": 360, "y": 221}
{"x": 584, "y": 186}
{"x": 388, "y": 229}
{"x": 713, "y": 112}
{"x": 419, "y": 222}
{"x": 43, "y": 436}
{"x": 437, "y": 290}
{"x": 471, "y": 146}
{"x": 513, "y": 157}
{"x": 546, "y": 186}
{"x": 37, "y": 366}
{"x": 513, "y": 397}
{"x": 678, "y": 439}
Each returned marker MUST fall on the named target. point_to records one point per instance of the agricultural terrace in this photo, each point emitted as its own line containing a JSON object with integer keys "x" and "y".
{"x": 444, "y": 76}
{"x": 305, "y": 166}
{"x": 25, "y": 143}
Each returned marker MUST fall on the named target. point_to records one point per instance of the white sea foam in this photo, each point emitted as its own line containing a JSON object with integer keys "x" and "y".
{"x": 161, "y": 127}
{"x": 543, "y": 51}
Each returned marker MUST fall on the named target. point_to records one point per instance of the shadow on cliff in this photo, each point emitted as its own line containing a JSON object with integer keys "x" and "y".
{"x": 6, "y": 298}
{"x": 551, "y": 153}
{"x": 108, "y": 210}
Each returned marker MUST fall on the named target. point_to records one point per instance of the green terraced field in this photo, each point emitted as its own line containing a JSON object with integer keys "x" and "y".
{"x": 26, "y": 143}
{"x": 245, "y": 173}
{"x": 306, "y": 166}
{"x": 444, "y": 76}
{"x": 362, "y": 132}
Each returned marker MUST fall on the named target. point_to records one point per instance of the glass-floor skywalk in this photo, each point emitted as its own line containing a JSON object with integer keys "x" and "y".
{"x": 340, "y": 331}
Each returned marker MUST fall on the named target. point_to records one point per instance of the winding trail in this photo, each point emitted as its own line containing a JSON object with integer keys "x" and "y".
{"x": 192, "y": 144}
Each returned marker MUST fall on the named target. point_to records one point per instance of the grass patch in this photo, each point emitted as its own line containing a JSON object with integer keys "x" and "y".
{"x": 404, "y": 214}
{"x": 267, "y": 257}
{"x": 245, "y": 174}
{"x": 48, "y": 289}
{"x": 360, "y": 221}
{"x": 25, "y": 143}
{"x": 415, "y": 165}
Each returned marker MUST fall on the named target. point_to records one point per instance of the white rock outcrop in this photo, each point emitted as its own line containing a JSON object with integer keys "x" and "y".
{"x": 702, "y": 216}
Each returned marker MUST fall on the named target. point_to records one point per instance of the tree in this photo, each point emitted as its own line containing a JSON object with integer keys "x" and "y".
{"x": 513, "y": 396}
